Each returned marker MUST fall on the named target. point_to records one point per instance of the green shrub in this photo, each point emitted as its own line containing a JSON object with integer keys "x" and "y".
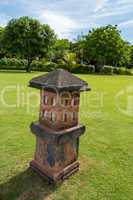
{"x": 51, "y": 66}
{"x": 67, "y": 66}
{"x": 129, "y": 72}
{"x": 84, "y": 69}
{"x": 119, "y": 70}
{"x": 122, "y": 71}
{"x": 42, "y": 65}
{"x": 77, "y": 68}
{"x": 12, "y": 63}
{"x": 116, "y": 70}
{"x": 6, "y": 67}
{"x": 38, "y": 65}
{"x": 91, "y": 69}
{"x": 107, "y": 70}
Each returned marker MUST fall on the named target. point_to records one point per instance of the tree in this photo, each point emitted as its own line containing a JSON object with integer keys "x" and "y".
{"x": 62, "y": 54}
{"x": 1, "y": 30}
{"x": 27, "y": 38}
{"x": 77, "y": 47}
{"x": 126, "y": 57}
{"x": 104, "y": 46}
{"x": 131, "y": 57}
{"x": 68, "y": 61}
{"x": 2, "y": 50}
{"x": 62, "y": 47}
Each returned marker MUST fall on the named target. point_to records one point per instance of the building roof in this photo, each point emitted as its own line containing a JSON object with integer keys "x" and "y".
{"x": 59, "y": 79}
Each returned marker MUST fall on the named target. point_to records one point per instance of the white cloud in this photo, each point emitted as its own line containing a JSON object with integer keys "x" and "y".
{"x": 71, "y": 17}
{"x": 100, "y": 4}
{"x": 113, "y": 9}
{"x": 60, "y": 23}
{"x": 131, "y": 41}
{"x": 4, "y": 19}
{"x": 126, "y": 24}
{"x": 67, "y": 16}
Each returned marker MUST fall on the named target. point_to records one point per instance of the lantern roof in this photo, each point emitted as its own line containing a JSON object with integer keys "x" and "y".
{"x": 59, "y": 80}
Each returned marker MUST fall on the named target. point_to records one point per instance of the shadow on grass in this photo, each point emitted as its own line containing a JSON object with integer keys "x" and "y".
{"x": 26, "y": 186}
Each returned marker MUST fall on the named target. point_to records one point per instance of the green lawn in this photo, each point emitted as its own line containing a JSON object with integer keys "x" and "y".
{"x": 106, "y": 149}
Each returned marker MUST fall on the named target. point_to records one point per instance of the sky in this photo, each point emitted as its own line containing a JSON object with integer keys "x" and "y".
{"x": 70, "y": 18}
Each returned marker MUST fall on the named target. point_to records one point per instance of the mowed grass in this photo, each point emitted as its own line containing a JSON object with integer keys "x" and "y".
{"x": 106, "y": 148}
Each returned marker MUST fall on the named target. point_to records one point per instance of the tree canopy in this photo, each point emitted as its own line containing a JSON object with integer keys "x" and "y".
{"x": 62, "y": 47}
{"x": 27, "y": 38}
{"x": 2, "y": 51}
{"x": 104, "y": 46}
{"x": 1, "y": 30}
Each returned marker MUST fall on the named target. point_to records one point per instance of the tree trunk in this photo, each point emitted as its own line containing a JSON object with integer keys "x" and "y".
{"x": 98, "y": 68}
{"x": 28, "y": 67}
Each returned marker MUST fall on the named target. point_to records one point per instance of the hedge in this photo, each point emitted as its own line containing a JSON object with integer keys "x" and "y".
{"x": 43, "y": 65}
{"x": 122, "y": 71}
{"x": 12, "y": 62}
{"x": 107, "y": 70}
{"x": 84, "y": 69}
{"x": 110, "y": 70}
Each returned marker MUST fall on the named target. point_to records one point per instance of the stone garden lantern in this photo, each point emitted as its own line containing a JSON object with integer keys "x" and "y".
{"x": 57, "y": 131}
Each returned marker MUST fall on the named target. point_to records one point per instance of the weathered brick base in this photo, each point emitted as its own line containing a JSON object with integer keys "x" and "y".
{"x": 60, "y": 176}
